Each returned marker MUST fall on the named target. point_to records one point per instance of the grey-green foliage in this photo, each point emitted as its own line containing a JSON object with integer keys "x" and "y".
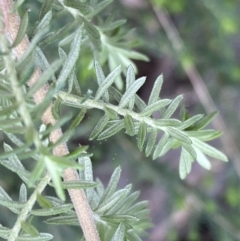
{"x": 118, "y": 214}
{"x": 155, "y": 136}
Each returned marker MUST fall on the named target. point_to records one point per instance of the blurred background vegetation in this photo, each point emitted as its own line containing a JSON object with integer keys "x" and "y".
{"x": 205, "y": 40}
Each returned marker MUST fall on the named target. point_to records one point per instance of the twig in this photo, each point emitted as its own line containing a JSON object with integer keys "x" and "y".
{"x": 198, "y": 85}
{"x": 78, "y": 197}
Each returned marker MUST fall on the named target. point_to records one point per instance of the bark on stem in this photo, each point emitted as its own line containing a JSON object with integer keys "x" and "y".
{"x": 78, "y": 197}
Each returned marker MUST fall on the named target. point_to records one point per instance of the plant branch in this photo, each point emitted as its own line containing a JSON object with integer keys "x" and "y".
{"x": 198, "y": 84}
{"x": 78, "y": 197}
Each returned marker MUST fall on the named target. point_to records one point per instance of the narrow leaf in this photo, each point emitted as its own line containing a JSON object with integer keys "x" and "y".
{"x": 167, "y": 122}
{"x": 203, "y": 160}
{"x": 52, "y": 211}
{"x": 71, "y": 60}
{"x": 130, "y": 78}
{"x": 185, "y": 163}
{"x": 112, "y": 130}
{"x": 107, "y": 82}
{"x": 112, "y": 114}
{"x": 142, "y": 132}
{"x": 46, "y": 7}
{"x": 117, "y": 218}
{"x": 99, "y": 127}
{"x": 100, "y": 7}
{"x": 131, "y": 91}
{"x": 90, "y": 28}
{"x": 22, "y": 29}
{"x": 159, "y": 148}
{"x": 129, "y": 125}
{"x": 23, "y": 193}
{"x": 172, "y": 107}
{"x": 44, "y": 202}
{"x": 112, "y": 185}
{"x": 112, "y": 26}
{"x": 77, "y": 120}
{"x": 82, "y": 7}
{"x": 119, "y": 234}
{"x": 63, "y": 220}
{"x": 46, "y": 76}
{"x": 100, "y": 79}
{"x": 56, "y": 109}
{"x": 204, "y": 121}
{"x": 189, "y": 122}
{"x": 190, "y": 150}
{"x": 204, "y": 135}
{"x": 155, "y": 90}
{"x": 155, "y": 107}
{"x": 178, "y": 135}
{"x": 151, "y": 142}
{"x": 29, "y": 229}
{"x": 209, "y": 150}
{"x": 41, "y": 237}
{"x": 79, "y": 184}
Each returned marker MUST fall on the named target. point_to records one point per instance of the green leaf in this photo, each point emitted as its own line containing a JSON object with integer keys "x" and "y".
{"x": 51, "y": 167}
{"x": 202, "y": 159}
{"x": 178, "y": 135}
{"x": 100, "y": 79}
{"x": 99, "y": 127}
{"x": 117, "y": 218}
{"x": 167, "y": 146}
{"x": 90, "y": 28}
{"x": 46, "y": 7}
{"x": 140, "y": 103}
{"x": 155, "y": 90}
{"x": 45, "y": 22}
{"x": 129, "y": 125}
{"x": 190, "y": 150}
{"x": 36, "y": 173}
{"x": 142, "y": 132}
{"x": 56, "y": 109}
{"x": 151, "y": 142}
{"x": 204, "y": 135}
{"x": 100, "y": 7}
{"x": 131, "y": 235}
{"x": 119, "y": 234}
{"x": 15, "y": 165}
{"x": 22, "y": 29}
{"x": 112, "y": 130}
{"x": 159, "y": 147}
{"x": 46, "y": 76}
{"x": 172, "y": 107}
{"x": 112, "y": 185}
{"x": 52, "y": 211}
{"x": 130, "y": 78}
{"x": 131, "y": 91}
{"x": 76, "y": 153}
{"x": 167, "y": 122}
{"x": 29, "y": 229}
{"x": 79, "y": 184}
{"x": 23, "y": 193}
{"x": 204, "y": 121}
{"x": 44, "y": 202}
{"x": 112, "y": 114}
{"x": 209, "y": 150}
{"x": 42, "y": 237}
{"x": 111, "y": 201}
{"x": 185, "y": 163}
{"x": 71, "y": 60}
{"x": 63, "y": 220}
{"x": 189, "y": 122}
{"x": 107, "y": 82}
{"x": 155, "y": 107}
{"x": 112, "y": 26}
{"x": 82, "y": 7}
{"x": 77, "y": 120}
